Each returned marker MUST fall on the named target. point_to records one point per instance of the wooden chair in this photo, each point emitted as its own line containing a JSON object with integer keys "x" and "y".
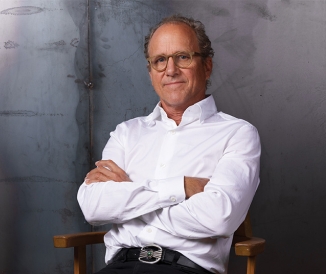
{"x": 243, "y": 242}
{"x": 246, "y": 245}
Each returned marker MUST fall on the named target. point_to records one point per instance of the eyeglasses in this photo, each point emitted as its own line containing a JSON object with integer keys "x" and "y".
{"x": 181, "y": 60}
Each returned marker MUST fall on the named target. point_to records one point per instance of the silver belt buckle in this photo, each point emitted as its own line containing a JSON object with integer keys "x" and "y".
{"x": 150, "y": 254}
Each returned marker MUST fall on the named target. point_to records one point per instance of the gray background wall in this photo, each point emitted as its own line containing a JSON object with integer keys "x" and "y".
{"x": 269, "y": 68}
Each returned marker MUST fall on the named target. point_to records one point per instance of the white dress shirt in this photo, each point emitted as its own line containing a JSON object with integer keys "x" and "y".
{"x": 157, "y": 154}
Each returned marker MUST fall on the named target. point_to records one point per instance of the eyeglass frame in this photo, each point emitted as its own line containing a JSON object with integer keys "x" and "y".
{"x": 191, "y": 53}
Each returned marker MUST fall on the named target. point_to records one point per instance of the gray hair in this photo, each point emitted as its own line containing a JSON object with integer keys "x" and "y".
{"x": 198, "y": 27}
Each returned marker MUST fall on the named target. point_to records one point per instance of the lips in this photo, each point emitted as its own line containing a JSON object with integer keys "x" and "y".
{"x": 173, "y": 83}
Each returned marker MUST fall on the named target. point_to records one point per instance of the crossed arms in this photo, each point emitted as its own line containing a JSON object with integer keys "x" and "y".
{"x": 184, "y": 206}
{"x": 107, "y": 170}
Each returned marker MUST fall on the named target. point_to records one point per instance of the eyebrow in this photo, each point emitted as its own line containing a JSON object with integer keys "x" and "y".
{"x": 173, "y": 52}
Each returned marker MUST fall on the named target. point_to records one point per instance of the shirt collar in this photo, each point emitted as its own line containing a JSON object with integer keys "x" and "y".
{"x": 199, "y": 111}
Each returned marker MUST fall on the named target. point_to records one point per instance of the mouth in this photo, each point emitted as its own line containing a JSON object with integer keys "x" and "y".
{"x": 173, "y": 83}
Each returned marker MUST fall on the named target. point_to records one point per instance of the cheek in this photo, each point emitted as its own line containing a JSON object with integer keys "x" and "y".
{"x": 156, "y": 81}
{"x": 193, "y": 78}
{"x": 153, "y": 78}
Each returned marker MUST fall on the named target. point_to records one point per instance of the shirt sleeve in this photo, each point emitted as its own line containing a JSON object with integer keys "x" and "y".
{"x": 220, "y": 209}
{"x": 119, "y": 202}
{"x": 113, "y": 202}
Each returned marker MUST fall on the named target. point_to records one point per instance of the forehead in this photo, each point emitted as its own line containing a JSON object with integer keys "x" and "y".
{"x": 173, "y": 37}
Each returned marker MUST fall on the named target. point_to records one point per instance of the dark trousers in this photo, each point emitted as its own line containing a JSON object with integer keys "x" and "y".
{"x": 135, "y": 267}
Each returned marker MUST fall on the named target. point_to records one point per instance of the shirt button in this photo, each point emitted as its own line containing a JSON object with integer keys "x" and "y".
{"x": 149, "y": 230}
{"x": 172, "y": 132}
{"x": 173, "y": 199}
{"x": 162, "y": 165}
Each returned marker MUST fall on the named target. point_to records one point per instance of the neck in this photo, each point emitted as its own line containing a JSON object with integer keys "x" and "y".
{"x": 176, "y": 116}
{"x": 173, "y": 112}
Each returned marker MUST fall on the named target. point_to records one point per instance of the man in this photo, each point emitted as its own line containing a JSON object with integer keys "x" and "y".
{"x": 178, "y": 182}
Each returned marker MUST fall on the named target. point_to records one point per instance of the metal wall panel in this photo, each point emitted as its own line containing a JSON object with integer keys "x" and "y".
{"x": 43, "y": 131}
{"x": 269, "y": 68}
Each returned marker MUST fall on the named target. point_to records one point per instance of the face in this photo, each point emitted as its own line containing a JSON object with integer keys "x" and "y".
{"x": 178, "y": 88}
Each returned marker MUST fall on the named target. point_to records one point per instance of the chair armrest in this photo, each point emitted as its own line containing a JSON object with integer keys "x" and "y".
{"x": 251, "y": 247}
{"x": 78, "y": 239}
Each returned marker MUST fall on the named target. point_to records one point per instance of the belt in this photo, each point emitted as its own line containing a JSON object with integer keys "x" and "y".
{"x": 156, "y": 254}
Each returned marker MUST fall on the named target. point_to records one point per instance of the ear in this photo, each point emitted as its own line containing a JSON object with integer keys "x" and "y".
{"x": 208, "y": 67}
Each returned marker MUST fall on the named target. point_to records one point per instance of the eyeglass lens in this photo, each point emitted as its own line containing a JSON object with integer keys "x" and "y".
{"x": 181, "y": 59}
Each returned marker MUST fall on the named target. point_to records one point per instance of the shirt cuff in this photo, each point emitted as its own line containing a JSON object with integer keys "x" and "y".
{"x": 171, "y": 191}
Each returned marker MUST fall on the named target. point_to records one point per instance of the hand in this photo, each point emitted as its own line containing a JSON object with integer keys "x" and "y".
{"x": 194, "y": 185}
{"x": 106, "y": 170}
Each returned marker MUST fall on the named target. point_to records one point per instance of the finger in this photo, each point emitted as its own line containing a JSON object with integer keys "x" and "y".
{"x": 102, "y": 174}
{"x": 97, "y": 176}
{"x": 100, "y": 168}
{"x": 89, "y": 181}
{"x": 94, "y": 173}
{"x": 104, "y": 163}
{"x": 111, "y": 165}
{"x": 117, "y": 176}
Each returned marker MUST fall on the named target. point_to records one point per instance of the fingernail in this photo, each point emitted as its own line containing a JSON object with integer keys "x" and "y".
{"x": 86, "y": 181}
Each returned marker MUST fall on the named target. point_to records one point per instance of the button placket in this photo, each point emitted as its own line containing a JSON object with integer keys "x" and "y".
{"x": 166, "y": 154}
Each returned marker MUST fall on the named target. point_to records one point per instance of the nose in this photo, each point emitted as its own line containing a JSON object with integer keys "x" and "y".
{"x": 171, "y": 68}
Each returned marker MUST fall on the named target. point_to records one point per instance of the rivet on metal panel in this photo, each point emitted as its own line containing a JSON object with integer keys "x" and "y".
{"x": 88, "y": 84}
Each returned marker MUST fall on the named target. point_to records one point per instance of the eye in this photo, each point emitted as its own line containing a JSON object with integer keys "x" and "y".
{"x": 159, "y": 59}
{"x": 183, "y": 56}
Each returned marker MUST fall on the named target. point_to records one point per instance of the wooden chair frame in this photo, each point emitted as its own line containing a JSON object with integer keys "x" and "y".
{"x": 243, "y": 242}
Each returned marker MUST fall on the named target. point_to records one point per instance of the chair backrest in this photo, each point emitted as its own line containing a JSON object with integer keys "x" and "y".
{"x": 244, "y": 231}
